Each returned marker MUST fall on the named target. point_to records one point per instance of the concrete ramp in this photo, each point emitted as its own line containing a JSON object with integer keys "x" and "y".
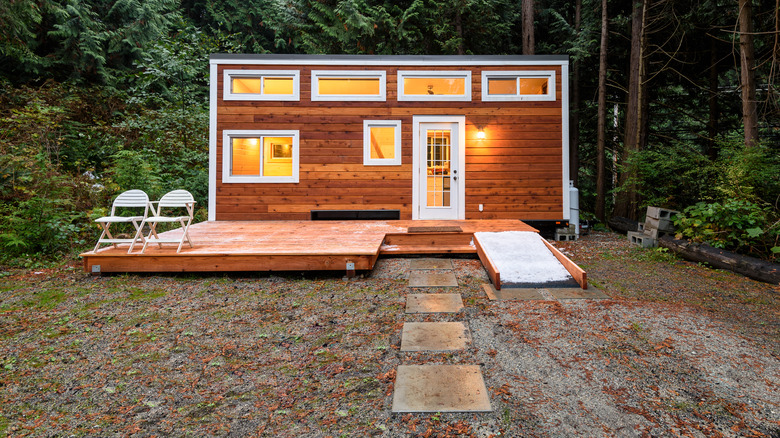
{"x": 525, "y": 259}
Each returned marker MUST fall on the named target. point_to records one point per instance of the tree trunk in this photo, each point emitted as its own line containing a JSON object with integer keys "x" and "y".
{"x": 459, "y": 30}
{"x": 747, "y": 72}
{"x": 574, "y": 122}
{"x": 622, "y": 224}
{"x": 528, "y": 27}
{"x": 601, "y": 165}
{"x": 712, "y": 122}
{"x": 748, "y": 266}
{"x": 627, "y": 203}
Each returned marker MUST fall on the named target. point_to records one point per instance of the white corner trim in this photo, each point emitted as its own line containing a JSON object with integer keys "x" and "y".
{"x": 565, "y": 140}
{"x": 212, "y": 206}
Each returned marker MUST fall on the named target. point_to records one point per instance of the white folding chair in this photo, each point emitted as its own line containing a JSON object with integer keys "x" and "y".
{"x": 135, "y": 199}
{"x": 178, "y": 200}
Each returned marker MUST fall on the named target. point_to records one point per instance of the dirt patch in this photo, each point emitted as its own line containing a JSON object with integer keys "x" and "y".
{"x": 678, "y": 349}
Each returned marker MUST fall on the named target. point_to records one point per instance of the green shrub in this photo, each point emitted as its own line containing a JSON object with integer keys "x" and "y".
{"x": 737, "y": 225}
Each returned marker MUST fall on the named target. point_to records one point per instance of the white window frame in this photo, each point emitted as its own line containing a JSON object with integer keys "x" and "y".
{"x": 227, "y": 156}
{"x": 465, "y": 74}
{"x": 349, "y": 74}
{"x": 228, "y": 76}
{"x": 520, "y": 74}
{"x": 367, "y": 160}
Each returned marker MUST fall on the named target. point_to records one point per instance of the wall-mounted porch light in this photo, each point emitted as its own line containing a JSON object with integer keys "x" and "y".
{"x": 481, "y": 134}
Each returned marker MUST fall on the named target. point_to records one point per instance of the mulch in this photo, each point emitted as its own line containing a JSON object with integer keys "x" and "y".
{"x": 677, "y": 349}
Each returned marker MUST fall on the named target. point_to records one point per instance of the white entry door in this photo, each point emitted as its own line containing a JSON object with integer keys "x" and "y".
{"x": 439, "y": 155}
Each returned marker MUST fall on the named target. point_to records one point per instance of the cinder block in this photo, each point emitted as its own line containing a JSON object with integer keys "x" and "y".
{"x": 660, "y": 213}
{"x": 562, "y": 237}
{"x": 664, "y": 225}
{"x": 640, "y": 227}
{"x": 642, "y": 240}
{"x": 655, "y": 233}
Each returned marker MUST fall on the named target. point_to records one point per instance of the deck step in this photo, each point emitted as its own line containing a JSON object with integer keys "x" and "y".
{"x": 420, "y": 249}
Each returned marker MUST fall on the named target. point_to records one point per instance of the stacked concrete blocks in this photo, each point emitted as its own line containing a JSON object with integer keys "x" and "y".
{"x": 564, "y": 234}
{"x": 657, "y": 223}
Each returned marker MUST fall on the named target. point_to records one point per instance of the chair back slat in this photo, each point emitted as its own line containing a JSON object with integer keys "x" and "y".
{"x": 132, "y": 198}
{"x": 176, "y": 198}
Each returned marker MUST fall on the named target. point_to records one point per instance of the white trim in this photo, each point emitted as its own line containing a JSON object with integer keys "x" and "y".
{"x": 519, "y": 74}
{"x": 227, "y": 92}
{"x": 212, "y": 208}
{"x": 565, "y": 140}
{"x": 465, "y": 74}
{"x": 374, "y": 74}
{"x": 387, "y": 61}
{"x": 417, "y": 162}
{"x": 227, "y": 178}
{"x": 367, "y": 160}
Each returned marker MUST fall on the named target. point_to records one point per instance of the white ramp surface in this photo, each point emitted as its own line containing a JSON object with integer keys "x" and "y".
{"x": 522, "y": 258}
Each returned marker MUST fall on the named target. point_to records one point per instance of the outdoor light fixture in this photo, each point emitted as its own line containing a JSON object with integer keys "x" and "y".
{"x": 481, "y": 134}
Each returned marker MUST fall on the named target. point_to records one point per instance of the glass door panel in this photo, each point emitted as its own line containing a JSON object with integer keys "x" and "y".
{"x": 439, "y": 165}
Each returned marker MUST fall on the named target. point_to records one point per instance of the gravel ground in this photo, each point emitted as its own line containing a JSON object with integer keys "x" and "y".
{"x": 677, "y": 350}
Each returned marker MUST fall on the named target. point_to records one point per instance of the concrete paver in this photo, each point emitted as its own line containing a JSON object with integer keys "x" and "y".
{"x": 416, "y": 264}
{"x": 434, "y": 303}
{"x": 440, "y": 388}
{"x": 434, "y": 336}
{"x": 432, "y": 279}
{"x": 575, "y": 293}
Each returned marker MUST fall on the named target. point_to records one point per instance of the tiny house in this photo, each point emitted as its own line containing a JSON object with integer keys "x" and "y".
{"x": 297, "y": 137}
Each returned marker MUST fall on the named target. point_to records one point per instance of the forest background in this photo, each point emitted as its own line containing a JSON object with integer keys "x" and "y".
{"x": 674, "y": 103}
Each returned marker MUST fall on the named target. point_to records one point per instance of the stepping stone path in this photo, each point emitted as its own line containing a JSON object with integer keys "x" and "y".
{"x": 433, "y": 303}
{"x": 433, "y": 336}
{"x": 432, "y": 279}
{"x": 437, "y": 388}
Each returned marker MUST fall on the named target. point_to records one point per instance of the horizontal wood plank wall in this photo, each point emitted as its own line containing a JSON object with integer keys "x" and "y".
{"x": 515, "y": 172}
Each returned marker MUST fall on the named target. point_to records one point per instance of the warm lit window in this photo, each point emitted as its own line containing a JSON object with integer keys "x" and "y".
{"x": 261, "y": 85}
{"x": 434, "y": 85}
{"x": 348, "y": 85}
{"x": 260, "y": 156}
{"x": 382, "y": 142}
{"x": 518, "y": 85}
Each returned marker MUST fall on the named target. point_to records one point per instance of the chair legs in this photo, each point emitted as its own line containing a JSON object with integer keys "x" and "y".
{"x": 139, "y": 234}
{"x": 107, "y": 237}
{"x": 184, "y": 236}
{"x": 185, "y": 225}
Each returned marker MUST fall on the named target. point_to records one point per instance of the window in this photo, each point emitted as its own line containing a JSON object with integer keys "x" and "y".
{"x": 261, "y": 85}
{"x": 348, "y": 85}
{"x": 260, "y": 156}
{"x": 382, "y": 142}
{"x": 518, "y": 85}
{"x": 434, "y": 85}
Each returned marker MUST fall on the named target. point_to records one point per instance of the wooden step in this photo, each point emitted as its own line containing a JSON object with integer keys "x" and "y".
{"x": 427, "y": 249}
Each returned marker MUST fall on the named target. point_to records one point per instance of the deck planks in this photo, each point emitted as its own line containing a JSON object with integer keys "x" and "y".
{"x": 225, "y": 246}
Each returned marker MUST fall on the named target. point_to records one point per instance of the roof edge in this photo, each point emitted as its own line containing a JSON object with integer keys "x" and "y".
{"x": 233, "y": 58}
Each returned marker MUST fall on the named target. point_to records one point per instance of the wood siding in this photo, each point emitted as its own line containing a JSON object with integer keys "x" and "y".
{"x": 516, "y": 172}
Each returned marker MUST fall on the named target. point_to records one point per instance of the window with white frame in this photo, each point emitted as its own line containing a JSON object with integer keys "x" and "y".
{"x": 267, "y": 156}
{"x": 345, "y": 85}
{"x": 382, "y": 142}
{"x": 261, "y": 85}
{"x": 418, "y": 85}
{"x": 518, "y": 85}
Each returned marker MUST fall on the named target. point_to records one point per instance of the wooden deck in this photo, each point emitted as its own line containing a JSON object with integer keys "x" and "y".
{"x": 227, "y": 246}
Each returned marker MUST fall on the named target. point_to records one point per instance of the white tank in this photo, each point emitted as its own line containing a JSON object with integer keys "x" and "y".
{"x": 574, "y": 208}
